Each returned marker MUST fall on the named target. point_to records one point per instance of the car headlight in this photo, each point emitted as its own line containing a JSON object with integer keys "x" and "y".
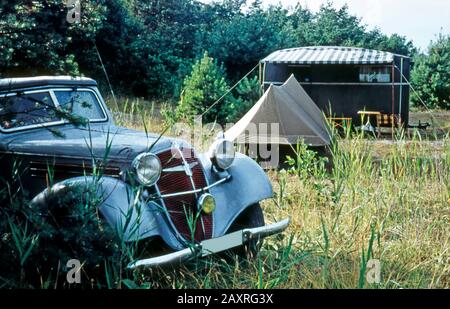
{"x": 147, "y": 168}
{"x": 222, "y": 154}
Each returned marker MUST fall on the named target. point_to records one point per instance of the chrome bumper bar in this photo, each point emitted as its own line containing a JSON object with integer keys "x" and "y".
{"x": 212, "y": 246}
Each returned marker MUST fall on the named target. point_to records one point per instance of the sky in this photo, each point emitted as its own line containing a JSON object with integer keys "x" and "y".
{"x": 419, "y": 20}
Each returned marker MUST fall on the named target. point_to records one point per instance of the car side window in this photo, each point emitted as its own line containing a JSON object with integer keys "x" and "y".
{"x": 23, "y": 110}
{"x": 81, "y": 103}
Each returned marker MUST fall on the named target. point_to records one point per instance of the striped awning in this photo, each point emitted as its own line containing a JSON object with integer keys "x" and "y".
{"x": 329, "y": 55}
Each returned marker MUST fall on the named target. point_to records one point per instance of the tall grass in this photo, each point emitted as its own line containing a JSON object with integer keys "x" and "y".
{"x": 385, "y": 200}
{"x": 381, "y": 199}
{"x": 396, "y": 205}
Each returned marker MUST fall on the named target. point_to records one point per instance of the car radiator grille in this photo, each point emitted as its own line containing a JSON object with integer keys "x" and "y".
{"x": 182, "y": 210}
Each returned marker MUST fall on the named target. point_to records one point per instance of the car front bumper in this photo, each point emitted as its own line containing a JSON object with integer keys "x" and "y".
{"x": 212, "y": 246}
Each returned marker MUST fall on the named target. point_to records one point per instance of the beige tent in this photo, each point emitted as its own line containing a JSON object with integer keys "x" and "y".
{"x": 287, "y": 109}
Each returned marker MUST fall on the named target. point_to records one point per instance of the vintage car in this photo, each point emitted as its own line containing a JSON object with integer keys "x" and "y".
{"x": 221, "y": 188}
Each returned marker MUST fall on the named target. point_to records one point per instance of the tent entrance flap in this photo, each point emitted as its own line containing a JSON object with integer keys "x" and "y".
{"x": 283, "y": 115}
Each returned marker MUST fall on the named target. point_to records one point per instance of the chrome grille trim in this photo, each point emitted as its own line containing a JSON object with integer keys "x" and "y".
{"x": 227, "y": 178}
{"x": 189, "y": 173}
{"x": 187, "y": 168}
{"x": 180, "y": 168}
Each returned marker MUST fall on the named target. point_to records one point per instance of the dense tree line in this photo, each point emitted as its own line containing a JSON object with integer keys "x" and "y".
{"x": 150, "y": 46}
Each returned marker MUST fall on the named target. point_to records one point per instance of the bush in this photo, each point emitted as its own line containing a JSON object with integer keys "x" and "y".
{"x": 306, "y": 162}
{"x": 38, "y": 239}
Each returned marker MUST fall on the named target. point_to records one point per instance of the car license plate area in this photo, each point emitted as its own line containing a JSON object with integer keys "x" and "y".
{"x": 223, "y": 243}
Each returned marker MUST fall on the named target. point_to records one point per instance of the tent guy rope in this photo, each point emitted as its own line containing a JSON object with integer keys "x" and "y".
{"x": 107, "y": 77}
{"x": 420, "y": 99}
{"x": 231, "y": 89}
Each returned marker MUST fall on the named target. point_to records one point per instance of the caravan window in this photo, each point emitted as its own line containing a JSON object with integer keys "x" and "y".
{"x": 325, "y": 73}
{"x": 301, "y": 72}
{"x": 371, "y": 74}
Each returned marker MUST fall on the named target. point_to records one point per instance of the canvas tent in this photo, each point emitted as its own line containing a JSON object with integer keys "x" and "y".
{"x": 292, "y": 109}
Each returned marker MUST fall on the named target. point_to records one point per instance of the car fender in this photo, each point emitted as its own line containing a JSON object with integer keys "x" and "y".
{"x": 122, "y": 207}
{"x": 248, "y": 185}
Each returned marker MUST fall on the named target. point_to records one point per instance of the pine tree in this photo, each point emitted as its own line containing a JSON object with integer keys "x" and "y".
{"x": 202, "y": 88}
{"x": 431, "y": 77}
{"x": 248, "y": 93}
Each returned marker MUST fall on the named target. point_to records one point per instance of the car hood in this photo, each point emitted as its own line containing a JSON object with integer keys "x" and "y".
{"x": 118, "y": 143}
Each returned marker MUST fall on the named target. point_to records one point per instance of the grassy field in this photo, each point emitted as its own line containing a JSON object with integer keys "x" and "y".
{"x": 375, "y": 202}
{"x": 384, "y": 199}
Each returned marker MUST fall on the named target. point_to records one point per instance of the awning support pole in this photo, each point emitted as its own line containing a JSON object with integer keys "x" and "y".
{"x": 263, "y": 77}
{"x": 393, "y": 93}
{"x": 264, "y": 72}
{"x": 260, "y": 73}
{"x": 401, "y": 92}
{"x": 261, "y": 81}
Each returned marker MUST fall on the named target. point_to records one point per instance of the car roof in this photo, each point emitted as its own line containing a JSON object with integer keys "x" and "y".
{"x": 7, "y": 84}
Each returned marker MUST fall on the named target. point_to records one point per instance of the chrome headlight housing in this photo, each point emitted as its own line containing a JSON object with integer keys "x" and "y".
{"x": 222, "y": 154}
{"x": 147, "y": 169}
{"x": 207, "y": 203}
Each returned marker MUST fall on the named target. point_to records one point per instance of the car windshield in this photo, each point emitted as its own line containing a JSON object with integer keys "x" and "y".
{"x": 25, "y": 110}
{"x": 20, "y": 111}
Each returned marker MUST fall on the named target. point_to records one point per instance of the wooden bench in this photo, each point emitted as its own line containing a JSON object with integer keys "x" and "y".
{"x": 381, "y": 120}
{"x": 387, "y": 120}
{"x": 340, "y": 122}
